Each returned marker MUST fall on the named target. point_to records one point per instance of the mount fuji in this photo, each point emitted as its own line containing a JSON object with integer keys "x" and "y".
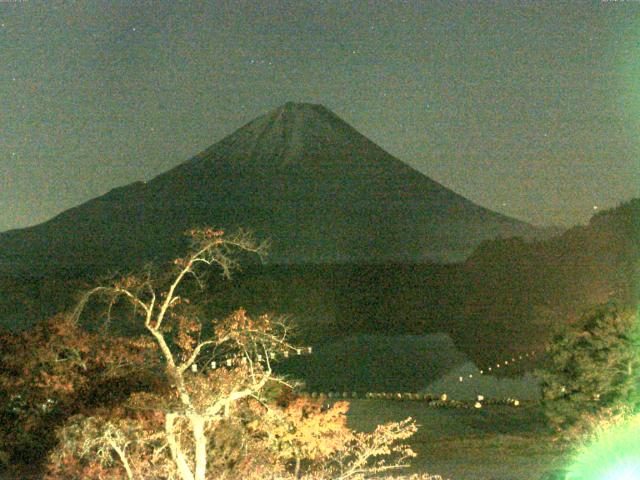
{"x": 299, "y": 176}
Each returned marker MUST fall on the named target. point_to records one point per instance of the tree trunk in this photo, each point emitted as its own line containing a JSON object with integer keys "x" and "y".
{"x": 174, "y": 446}
{"x": 200, "y": 440}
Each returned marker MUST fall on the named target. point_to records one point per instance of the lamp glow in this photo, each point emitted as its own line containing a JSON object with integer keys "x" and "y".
{"x": 624, "y": 473}
{"x": 614, "y": 455}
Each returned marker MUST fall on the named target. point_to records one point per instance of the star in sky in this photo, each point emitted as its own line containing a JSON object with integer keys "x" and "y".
{"x": 502, "y": 89}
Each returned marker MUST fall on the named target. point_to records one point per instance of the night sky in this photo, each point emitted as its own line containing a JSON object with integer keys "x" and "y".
{"x": 529, "y": 108}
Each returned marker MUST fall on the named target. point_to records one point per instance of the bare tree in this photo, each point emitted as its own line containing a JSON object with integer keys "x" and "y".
{"x": 238, "y": 350}
{"x": 368, "y": 454}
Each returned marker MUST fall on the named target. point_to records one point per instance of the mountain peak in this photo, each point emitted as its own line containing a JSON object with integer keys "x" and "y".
{"x": 286, "y": 135}
{"x": 302, "y": 115}
{"x": 301, "y": 106}
{"x": 307, "y": 110}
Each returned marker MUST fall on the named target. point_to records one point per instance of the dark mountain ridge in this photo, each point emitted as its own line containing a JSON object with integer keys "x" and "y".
{"x": 300, "y": 176}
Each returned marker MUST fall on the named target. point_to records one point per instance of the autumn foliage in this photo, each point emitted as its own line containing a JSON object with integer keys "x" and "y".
{"x": 57, "y": 370}
{"x": 186, "y": 397}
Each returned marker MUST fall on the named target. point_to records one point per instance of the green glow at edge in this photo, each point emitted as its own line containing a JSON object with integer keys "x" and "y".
{"x": 614, "y": 455}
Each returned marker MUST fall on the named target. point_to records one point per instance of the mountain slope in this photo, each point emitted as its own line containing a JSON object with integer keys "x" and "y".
{"x": 298, "y": 175}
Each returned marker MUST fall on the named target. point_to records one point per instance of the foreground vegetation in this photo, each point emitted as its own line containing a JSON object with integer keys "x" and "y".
{"x": 180, "y": 396}
{"x": 492, "y": 443}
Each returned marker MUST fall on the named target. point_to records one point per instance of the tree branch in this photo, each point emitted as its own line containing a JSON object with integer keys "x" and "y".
{"x": 182, "y": 368}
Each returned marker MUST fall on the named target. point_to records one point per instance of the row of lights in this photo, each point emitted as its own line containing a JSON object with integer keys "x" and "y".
{"x": 498, "y": 365}
{"x": 431, "y": 400}
{"x": 233, "y": 360}
{"x": 242, "y": 359}
{"x": 443, "y": 398}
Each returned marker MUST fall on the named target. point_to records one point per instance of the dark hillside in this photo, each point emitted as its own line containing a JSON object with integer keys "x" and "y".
{"x": 517, "y": 292}
{"x": 505, "y": 299}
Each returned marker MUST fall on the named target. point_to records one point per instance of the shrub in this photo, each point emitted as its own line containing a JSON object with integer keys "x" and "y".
{"x": 593, "y": 366}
